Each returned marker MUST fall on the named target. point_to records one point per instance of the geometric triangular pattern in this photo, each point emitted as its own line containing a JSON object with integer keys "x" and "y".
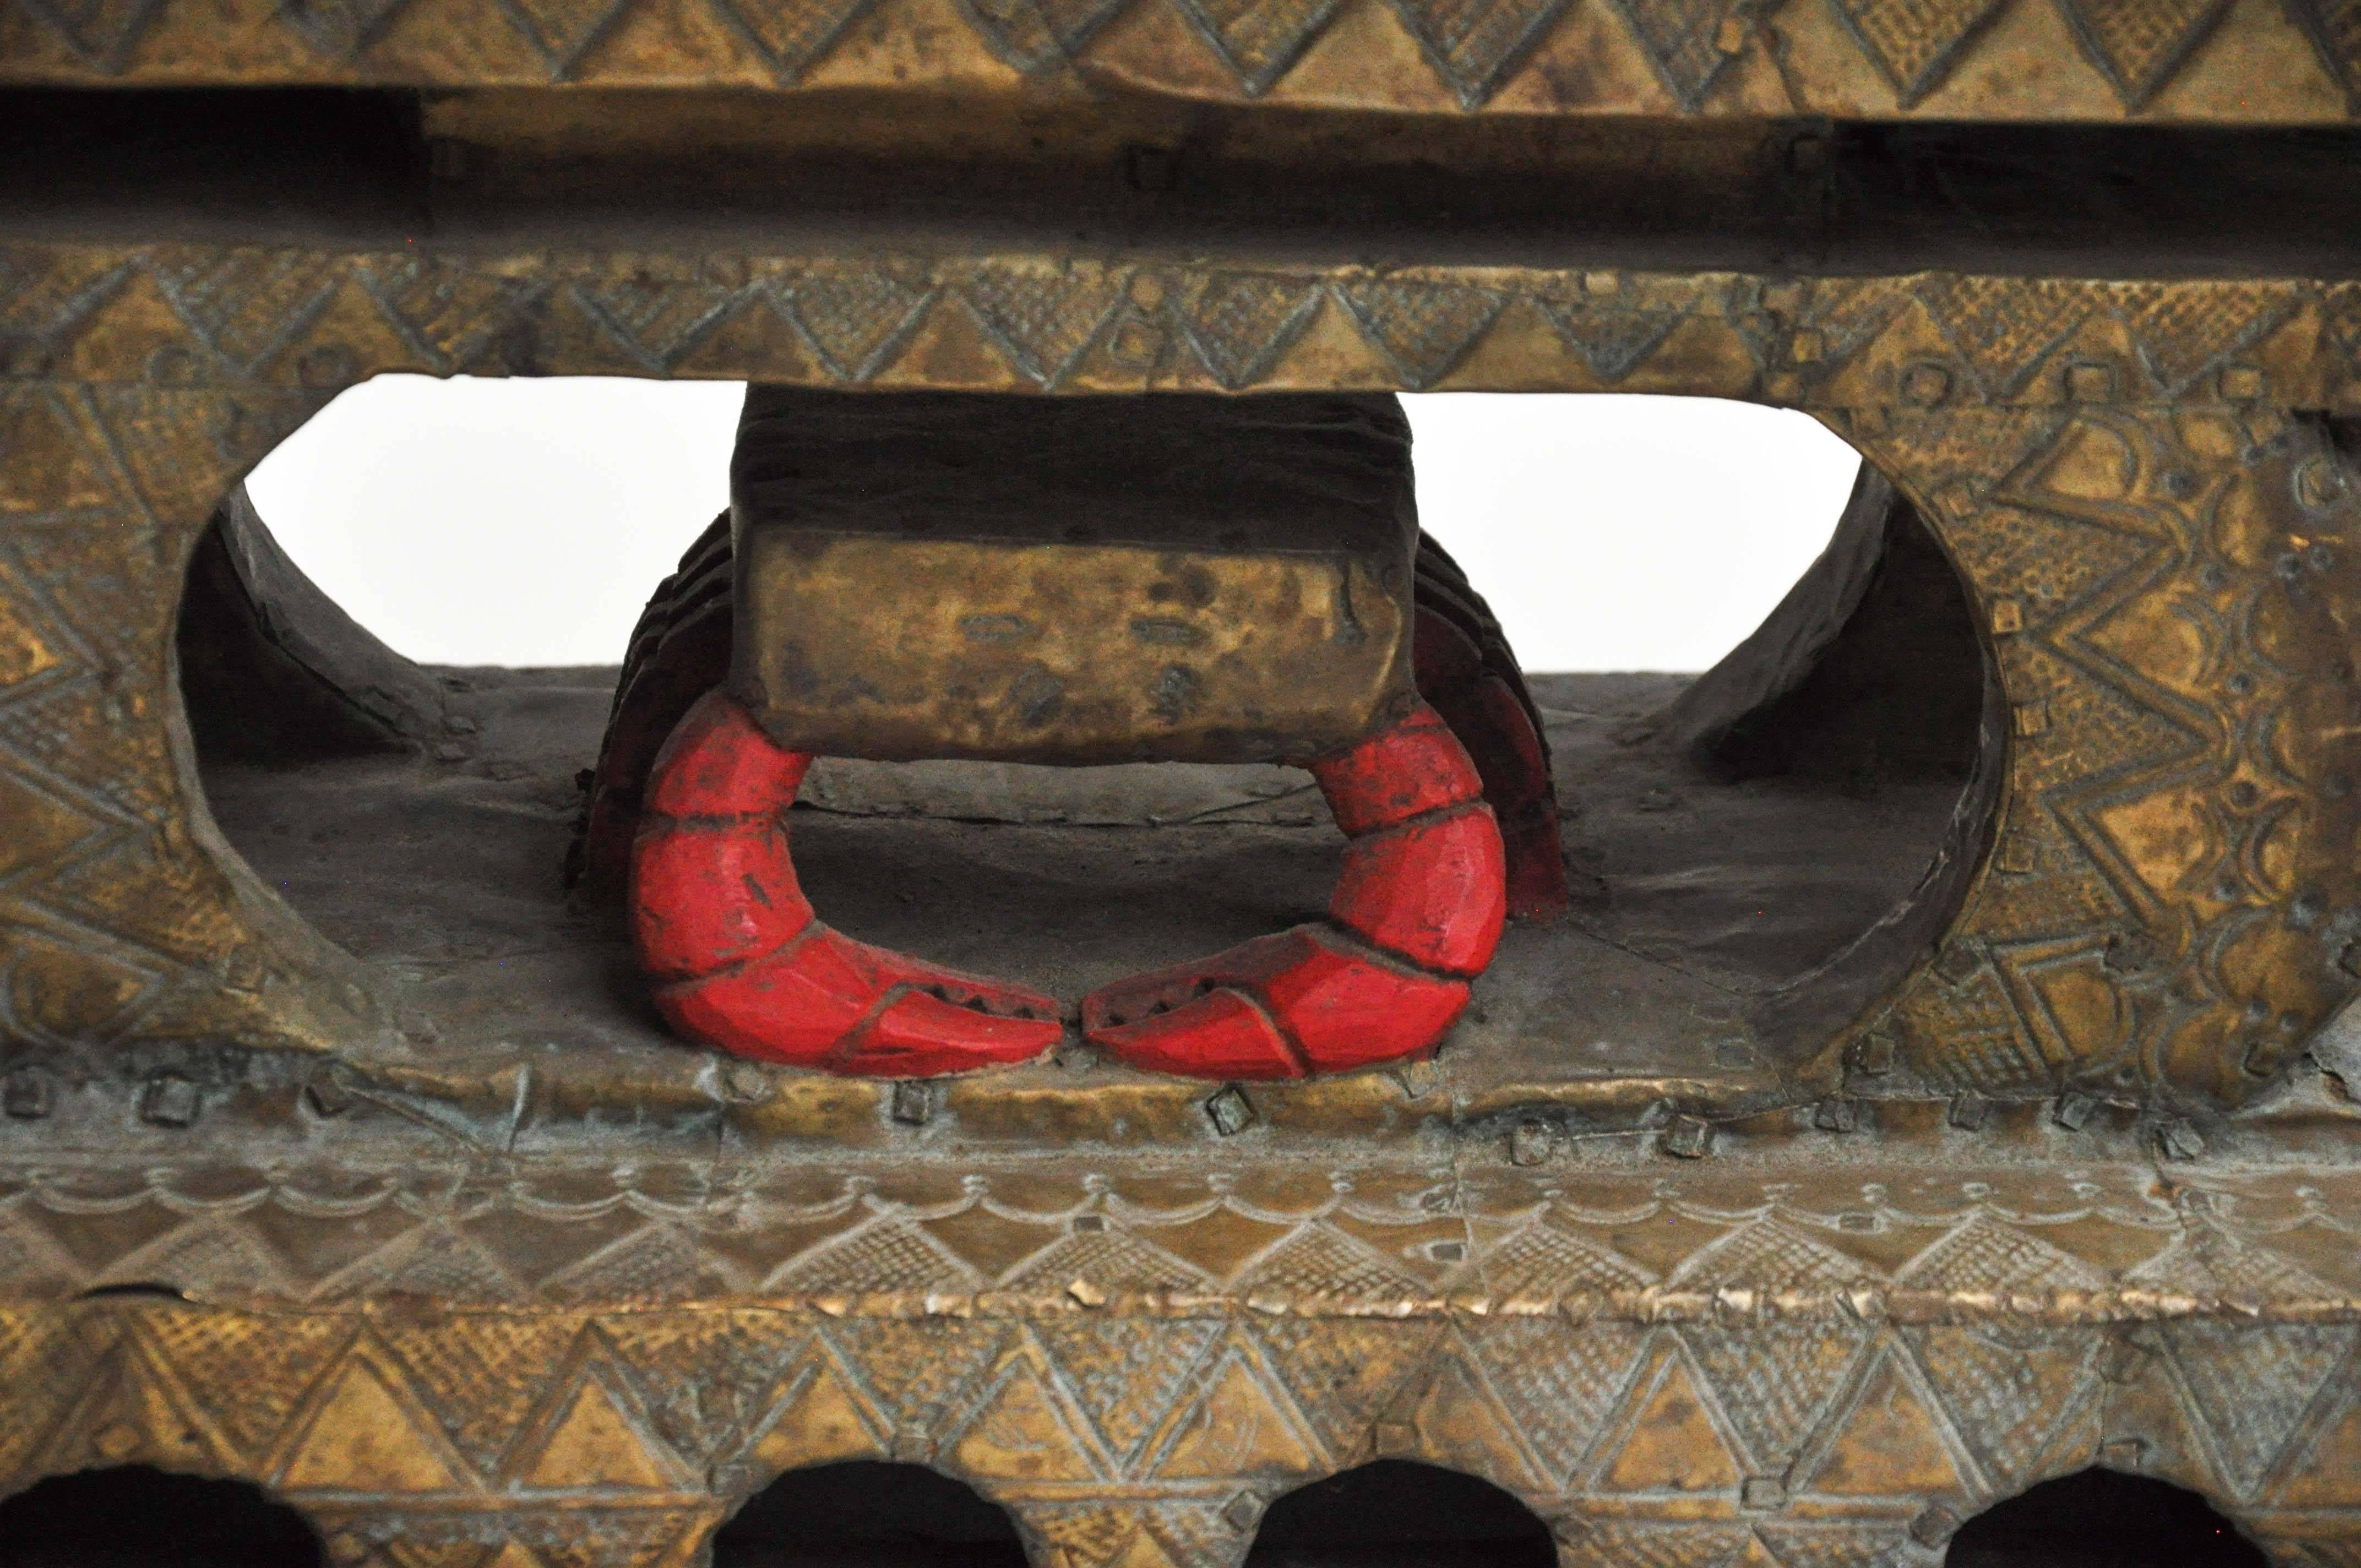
{"x": 1776, "y": 1379}
{"x": 1259, "y": 40}
{"x": 2335, "y": 28}
{"x": 1319, "y": 1258}
{"x": 656, "y": 320}
{"x": 2008, "y": 1394}
{"x": 2138, "y": 44}
{"x": 1241, "y": 1425}
{"x": 1125, "y": 1381}
{"x": 1558, "y": 1382}
{"x": 1240, "y": 323}
{"x": 1035, "y": 34}
{"x": 247, "y": 304}
{"x": 1424, "y": 329}
{"x": 1681, "y": 1451}
{"x": 1474, "y": 44}
{"x": 1021, "y": 1433}
{"x": 341, "y": 29}
{"x": 102, "y": 33}
{"x": 1342, "y": 1375}
{"x": 2182, "y": 336}
{"x": 1043, "y": 319}
{"x": 1888, "y": 1444}
{"x": 853, "y": 318}
{"x": 2003, "y": 329}
{"x": 451, "y": 314}
{"x": 2250, "y": 1385}
{"x": 1690, "y": 42}
{"x": 562, "y": 31}
{"x": 1612, "y": 341}
{"x": 1914, "y": 43}
{"x": 790, "y": 35}
{"x": 1770, "y": 1253}
{"x": 1982, "y": 1255}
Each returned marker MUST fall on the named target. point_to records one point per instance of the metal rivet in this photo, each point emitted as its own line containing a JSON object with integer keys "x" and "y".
{"x": 2073, "y": 1109}
{"x": 1925, "y": 384}
{"x": 1230, "y": 1111}
{"x": 26, "y": 1096}
{"x": 914, "y": 1102}
{"x": 1418, "y": 1076}
{"x": 1935, "y": 1525}
{"x": 1968, "y": 1111}
{"x": 1530, "y": 1143}
{"x": 1689, "y": 1137}
{"x": 1241, "y": 1511}
{"x": 2178, "y": 1139}
{"x": 1763, "y": 1492}
{"x": 168, "y": 1099}
{"x": 1836, "y": 1114}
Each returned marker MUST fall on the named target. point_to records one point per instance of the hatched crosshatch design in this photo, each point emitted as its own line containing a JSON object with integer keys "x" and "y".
{"x": 2052, "y": 1169}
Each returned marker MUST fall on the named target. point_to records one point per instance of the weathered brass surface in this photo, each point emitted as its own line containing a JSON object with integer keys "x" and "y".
{"x": 1171, "y": 581}
{"x": 2296, "y": 60}
{"x": 2103, "y": 1211}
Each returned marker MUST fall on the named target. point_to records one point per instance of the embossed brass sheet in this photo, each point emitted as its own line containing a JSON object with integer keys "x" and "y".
{"x": 2045, "y": 1160}
{"x": 1177, "y": 580}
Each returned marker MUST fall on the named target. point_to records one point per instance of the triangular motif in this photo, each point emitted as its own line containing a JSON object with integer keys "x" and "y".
{"x": 1110, "y": 1259}
{"x": 1916, "y": 42}
{"x": 2138, "y": 45}
{"x": 1684, "y": 1543}
{"x": 247, "y": 304}
{"x": 1318, "y": 1258}
{"x": 1125, "y": 1381}
{"x": 1559, "y": 1381}
{"x": 562, "y": 31}
{"x": 247, "y": 1373}
{"x": 1341, "y": 1374}
{"x": 2328, "y": 1473}
{"x": 1545, "y": 1261}
{"x": 45, "y": 295}
{"x": 2250, "y": 1385}
{"x": 1020, "y": 1434}
{"x": 1682, "y": 39}
{"x": 1889, "y": 1446}
{"x": 1242, "y": 323}
{"x": 2183, "y": 333}
{"x": 1855, "y": 1545}
{"x": 1462, "y": 1427}
{"x": 2335, "y": 28}
{"x": 711, "y": 1378}
{"x": 2008, "y": 1396}
{"x": 2003, "y": 328}
{"x": 340, "y": 29}
{"x": 791, "y": 35}
{"x": 654, "y": 320}
{"x": 1474, "y": 45}
{"x": 449, "y": 313}
{"x": 1034, "y": 34}
{"x": 366, "y": 1435}
{"x": 820, "y": 1423}
{"x": 1980, "y": 1255}
{"x": 913, "y": 1384}
{"x": 1259, "y": 40}
{"x": 483, "y": 1372}
{"x": 1423, "y": 329}
{"x": 1612, "y": 341}
{"x": 591, "y": 1442}
{"x": 887, "y": 1254}
{"x": 1670, "y": 1444}
{"x": 102, "y": 33}
{"x": 1770, "y": 1253}
{"x": 131, "y": 1410}
{"x": 1043, "y": 319}
{"x": 854, "y": 319}
{"x": 1236, "y": 1427}
{"x": 1776, "y": 1379}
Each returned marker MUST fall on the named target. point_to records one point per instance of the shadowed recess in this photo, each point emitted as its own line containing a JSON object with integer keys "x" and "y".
{"x": 2100, "y": 1518}
{"x": 868, "y": 1514}
{"x": 134, "y": 1517}
{"x": 1399, "y": 1514}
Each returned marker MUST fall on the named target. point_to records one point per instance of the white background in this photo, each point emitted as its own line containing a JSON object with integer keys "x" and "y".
{"x": 526, "y": 521}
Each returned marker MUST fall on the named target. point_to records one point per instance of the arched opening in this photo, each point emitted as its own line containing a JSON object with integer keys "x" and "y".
{"x": 867, "y": 1513}
{"x": 1397, "y": 1513}
{"x": 134, "y": 1517}
{"x": 1769, "y": 839}
{"x": 2103, "y": 1518}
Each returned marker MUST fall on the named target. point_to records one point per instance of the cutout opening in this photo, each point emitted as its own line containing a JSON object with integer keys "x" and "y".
{"x": 1747, "y": 842}
{"x": 136, "y": 1517}
{"x": 1398, "y": 1513}
{"x": 867, "y": 1513}
{"x": 2103, "y": 1518}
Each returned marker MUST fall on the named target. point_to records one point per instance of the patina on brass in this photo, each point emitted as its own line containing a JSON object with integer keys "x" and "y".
{"x": 935, "y": 574}
{"x": 2065, "y": 1178}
